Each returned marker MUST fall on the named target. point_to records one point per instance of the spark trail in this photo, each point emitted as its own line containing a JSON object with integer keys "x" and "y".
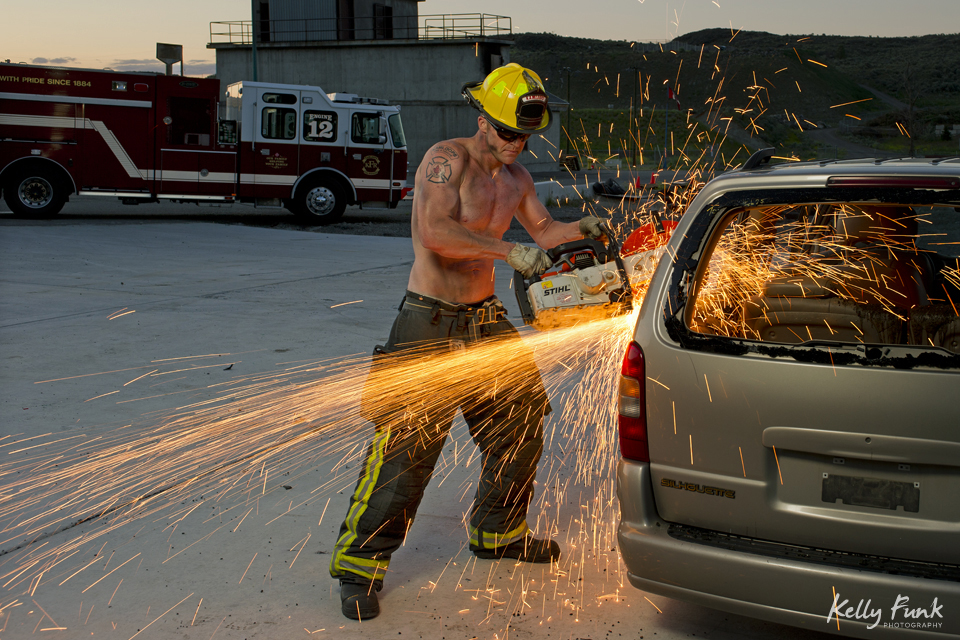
{"x": 226, "y": 449}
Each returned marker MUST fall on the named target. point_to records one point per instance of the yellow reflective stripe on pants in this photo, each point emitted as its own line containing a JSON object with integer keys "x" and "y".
{"x": 487, "y": 540}
{"x": 339, "y": 563}
{"x": 369, "y": 569}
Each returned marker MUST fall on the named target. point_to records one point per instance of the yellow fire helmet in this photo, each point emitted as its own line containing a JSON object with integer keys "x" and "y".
{"x": 511, "y": 97}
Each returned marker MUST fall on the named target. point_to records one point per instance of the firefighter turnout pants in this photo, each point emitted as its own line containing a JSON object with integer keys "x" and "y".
{"x": 441, "y": 357}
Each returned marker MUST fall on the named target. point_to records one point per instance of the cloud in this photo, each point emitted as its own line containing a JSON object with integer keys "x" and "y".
{"x": 194, "y": 68}
{"x": 137, "y": 62}
{"x": 52, "y": 60}
{"x": 190, "y": 67}
{"x": 200, "y": 68}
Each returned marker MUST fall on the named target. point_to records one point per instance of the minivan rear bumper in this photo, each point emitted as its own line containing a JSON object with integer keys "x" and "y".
{"x": 786, "y": 591}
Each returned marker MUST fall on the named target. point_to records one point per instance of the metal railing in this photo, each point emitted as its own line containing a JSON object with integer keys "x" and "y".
{"x": 427, "y": 27}
{"x": 464, "y": 25}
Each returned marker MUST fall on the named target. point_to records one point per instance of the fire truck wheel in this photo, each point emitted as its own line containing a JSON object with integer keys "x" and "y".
{"x": 35, "y": 194}
{"x": 320, "y": 202}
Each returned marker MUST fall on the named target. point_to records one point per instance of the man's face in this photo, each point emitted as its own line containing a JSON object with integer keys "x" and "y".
{"x": 504, "y": 151}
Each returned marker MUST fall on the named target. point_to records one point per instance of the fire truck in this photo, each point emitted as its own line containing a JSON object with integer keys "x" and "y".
{"x": 146, "y": 137}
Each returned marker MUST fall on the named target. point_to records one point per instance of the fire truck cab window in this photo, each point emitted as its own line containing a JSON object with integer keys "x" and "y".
{"x": 279, "y": 98}
{"x": 191, "y": 121}
{"x": 366, "y": 128}
{"x": 396, "y": 131}
{"x": 278, "y": 123}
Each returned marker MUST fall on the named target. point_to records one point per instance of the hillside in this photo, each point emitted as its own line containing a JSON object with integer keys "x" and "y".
{"x": 878, "y": 62}
{"x": 770, "y": 87}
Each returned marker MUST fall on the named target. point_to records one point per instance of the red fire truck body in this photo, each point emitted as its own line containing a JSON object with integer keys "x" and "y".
{"x": 144, "y": 137}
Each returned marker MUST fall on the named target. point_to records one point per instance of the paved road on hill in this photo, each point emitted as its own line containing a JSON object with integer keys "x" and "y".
{"x": 890, "y": 100}
{"x": 829, "y": 138}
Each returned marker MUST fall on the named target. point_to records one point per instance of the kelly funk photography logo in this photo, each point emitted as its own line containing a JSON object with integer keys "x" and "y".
{"x": 901, "y": 615}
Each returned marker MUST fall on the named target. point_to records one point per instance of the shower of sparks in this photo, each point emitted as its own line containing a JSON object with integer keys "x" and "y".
{"x": 243, "y": 440}
{"x": 235, "y": 447}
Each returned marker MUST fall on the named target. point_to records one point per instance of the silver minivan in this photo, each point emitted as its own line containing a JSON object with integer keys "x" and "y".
{"x": 790, "y": 404}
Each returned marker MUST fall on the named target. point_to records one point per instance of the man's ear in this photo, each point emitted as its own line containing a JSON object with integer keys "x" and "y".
{"x": 480, "y": 122}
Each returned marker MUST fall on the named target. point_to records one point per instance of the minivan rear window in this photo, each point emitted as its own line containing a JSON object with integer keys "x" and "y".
{"x": 839, "y": 272}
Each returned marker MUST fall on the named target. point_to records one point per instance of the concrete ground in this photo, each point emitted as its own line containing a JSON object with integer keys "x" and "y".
{"x": 109, "y": 322}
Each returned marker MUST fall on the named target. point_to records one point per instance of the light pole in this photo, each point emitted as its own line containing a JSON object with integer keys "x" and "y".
{"x": 566, "y": 139}
{"x": 666, "y": 122}
{"x": 254, "y": 19}
{"x": 633, "y": 111}
{"x": 666, "y": 128}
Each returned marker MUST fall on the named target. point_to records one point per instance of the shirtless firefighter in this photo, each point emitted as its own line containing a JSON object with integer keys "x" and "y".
{"x": 468, "y": 192}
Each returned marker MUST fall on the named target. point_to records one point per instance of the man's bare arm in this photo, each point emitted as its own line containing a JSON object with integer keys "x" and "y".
{"x": 438, "y": 203}
{"x": 541, "y": 226}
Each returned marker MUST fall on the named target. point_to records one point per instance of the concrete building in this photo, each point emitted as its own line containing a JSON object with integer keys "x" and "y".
{"x": 382, "y": 50}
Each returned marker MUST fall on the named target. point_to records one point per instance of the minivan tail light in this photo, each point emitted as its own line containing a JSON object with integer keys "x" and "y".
{"x": 903, "y": 182}
{"x": 631, "y": 406}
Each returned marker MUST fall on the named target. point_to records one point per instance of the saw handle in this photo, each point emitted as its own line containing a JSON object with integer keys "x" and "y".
{"x": 520, "y": 288}
{"x": 604, "y": 253}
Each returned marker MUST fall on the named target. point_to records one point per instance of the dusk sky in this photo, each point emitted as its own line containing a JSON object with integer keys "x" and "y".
{"x": 122, "y": 34}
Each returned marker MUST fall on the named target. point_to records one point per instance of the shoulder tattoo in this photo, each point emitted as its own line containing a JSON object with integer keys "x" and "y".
{"x": 439, "y": 170}
{"x": 447, "y": 149}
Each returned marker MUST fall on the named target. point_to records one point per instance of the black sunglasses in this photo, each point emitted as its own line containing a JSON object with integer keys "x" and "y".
{"x": 508, "y": 136}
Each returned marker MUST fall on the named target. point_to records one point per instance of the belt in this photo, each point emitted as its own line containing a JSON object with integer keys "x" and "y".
{"x": 487, "y": 311}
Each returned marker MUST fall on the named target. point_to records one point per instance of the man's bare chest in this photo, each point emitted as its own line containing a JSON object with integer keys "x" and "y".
{"x": 487, "y": 205}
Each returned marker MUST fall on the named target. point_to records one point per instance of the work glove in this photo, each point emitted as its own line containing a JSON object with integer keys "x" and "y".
{"x": 529, "y": 261}
{"x": 592, "y": 227}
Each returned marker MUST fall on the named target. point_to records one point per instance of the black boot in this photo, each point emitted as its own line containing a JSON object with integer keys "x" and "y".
{"x": 527, "y": 549}
{"x": 358, "y": 601}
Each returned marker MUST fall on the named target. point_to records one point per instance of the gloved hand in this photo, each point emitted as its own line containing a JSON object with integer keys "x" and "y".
{"x": 592, "y": 227}
{"x": 528, "y": 260}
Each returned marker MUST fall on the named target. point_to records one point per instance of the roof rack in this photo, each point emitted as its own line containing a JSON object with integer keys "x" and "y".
{"x": 758, "y": 158}
{"x": 895, "y": 158}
